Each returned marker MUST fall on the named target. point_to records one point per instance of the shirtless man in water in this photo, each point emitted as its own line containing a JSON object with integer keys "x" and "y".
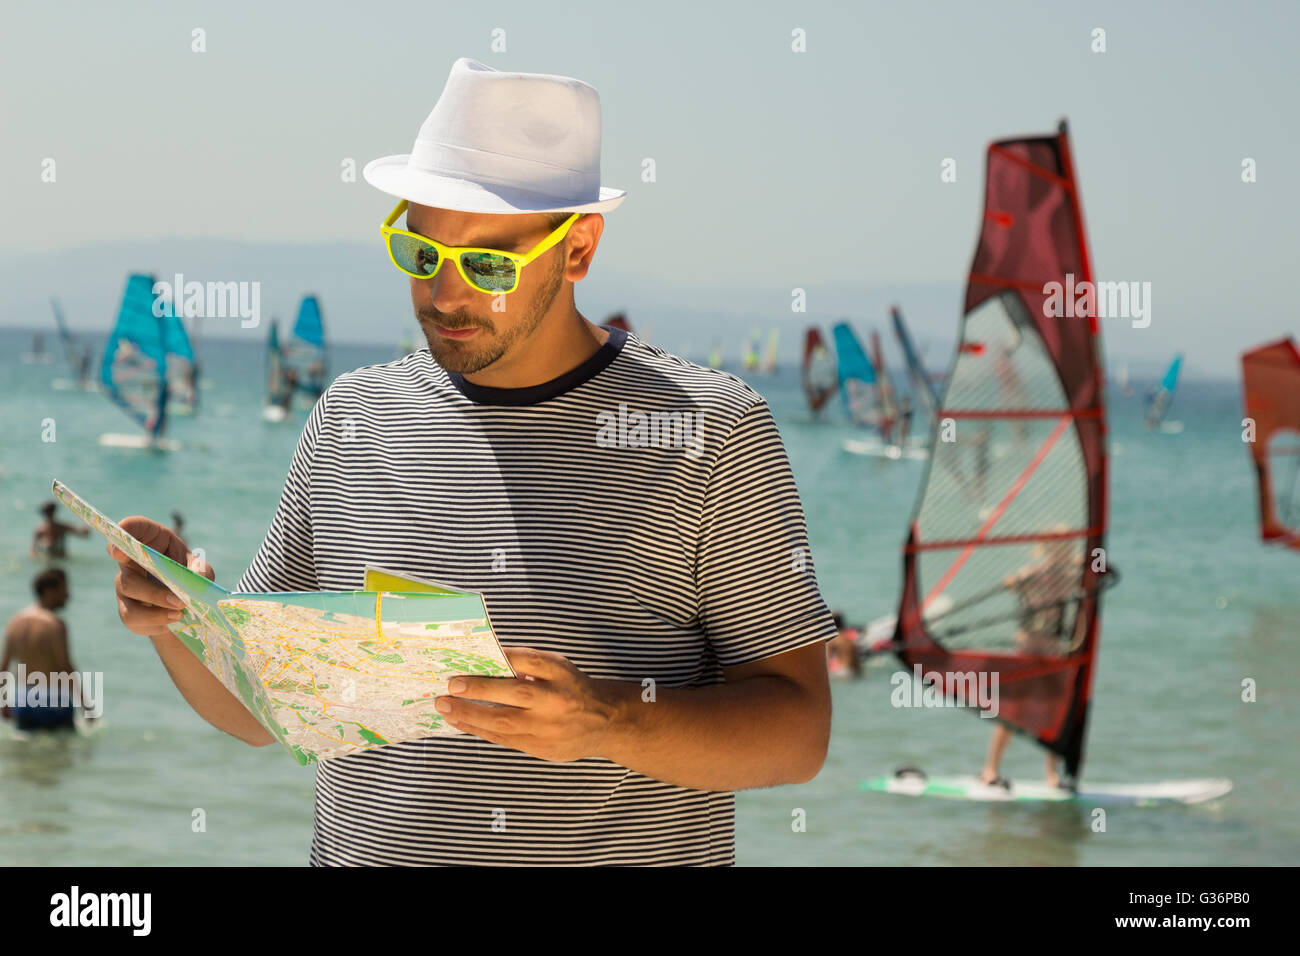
{"x": 37, "y": 639}
{"x": 1045, "y": 589}
{"x": 48, "y": 537}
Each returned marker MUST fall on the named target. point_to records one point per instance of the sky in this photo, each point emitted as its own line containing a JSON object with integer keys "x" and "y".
{"x": 774, "y": 169}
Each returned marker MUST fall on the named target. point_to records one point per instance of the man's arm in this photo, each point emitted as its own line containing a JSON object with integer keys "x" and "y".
{"x": 768, "y": 725}
{"x": 282, "y": 563}
{"x": 707, "y": 738}
{"x": 207, "y": 695}
{"x": 147, "y": 608}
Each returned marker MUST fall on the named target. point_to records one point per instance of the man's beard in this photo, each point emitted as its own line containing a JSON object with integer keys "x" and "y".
{"x": 485, "y": 348}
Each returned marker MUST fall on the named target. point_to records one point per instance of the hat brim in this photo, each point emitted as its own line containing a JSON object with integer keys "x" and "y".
{"x": 393, "y": 175}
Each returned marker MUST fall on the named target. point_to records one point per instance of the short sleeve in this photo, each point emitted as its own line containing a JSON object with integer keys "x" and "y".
{"x": 285, "y": 561}
{"x": 754, "y": 573}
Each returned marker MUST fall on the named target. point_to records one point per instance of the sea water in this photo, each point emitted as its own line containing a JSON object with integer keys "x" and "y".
{"x": 1203, "y": 606}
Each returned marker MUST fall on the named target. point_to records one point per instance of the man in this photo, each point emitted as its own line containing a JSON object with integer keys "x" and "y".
{"x": 47, "y": 539}
{"x": 655, "y": 597}
{"x": 37, "y": 639}
{"x": 1045, "y": 588}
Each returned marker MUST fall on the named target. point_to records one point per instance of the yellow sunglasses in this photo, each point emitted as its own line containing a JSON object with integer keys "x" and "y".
{"x": 487, "y": 270}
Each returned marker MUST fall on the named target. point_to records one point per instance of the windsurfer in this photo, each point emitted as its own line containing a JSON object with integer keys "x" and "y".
{"x": 1044, "y": 588}
{"x": 861, "y": 401}
{"x": 288, "y": 387}
{"x": 905, "y": 416}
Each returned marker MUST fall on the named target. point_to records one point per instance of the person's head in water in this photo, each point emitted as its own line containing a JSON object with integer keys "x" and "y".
{"x": 545, "y": 288}
{"x": 48, "y": 509}
{"x": 51, "y": 588}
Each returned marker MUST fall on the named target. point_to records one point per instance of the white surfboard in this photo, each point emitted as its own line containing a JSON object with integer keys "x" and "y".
{"x": 274, "y": 413}
{"x": 118, "y": 440}
{"x": 72, "y": 385}
{"x": 916, "y": 784}
{"x": 878, "y": 449}
{"x": 1171, "y": 428}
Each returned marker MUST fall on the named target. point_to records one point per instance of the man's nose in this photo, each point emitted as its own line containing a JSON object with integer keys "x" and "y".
{"x": 449, "y": 289}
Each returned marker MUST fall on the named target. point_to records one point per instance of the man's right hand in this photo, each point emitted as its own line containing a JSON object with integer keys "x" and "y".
{"x": 145, "y": 606}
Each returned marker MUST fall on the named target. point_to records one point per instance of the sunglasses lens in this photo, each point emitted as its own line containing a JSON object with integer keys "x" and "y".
{"x": 491, "y": 273}
{"x": 416, "y": 257}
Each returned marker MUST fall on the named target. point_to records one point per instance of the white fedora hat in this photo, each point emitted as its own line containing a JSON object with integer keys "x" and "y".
{"x": 503, "y": 143}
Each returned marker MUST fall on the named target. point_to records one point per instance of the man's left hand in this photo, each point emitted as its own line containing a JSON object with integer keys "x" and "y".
{"x": 552, "y": 710}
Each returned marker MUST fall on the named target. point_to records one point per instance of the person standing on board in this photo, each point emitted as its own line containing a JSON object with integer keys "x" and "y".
{"x": 631, "y": 518}
{"x": 1044, "y": 589}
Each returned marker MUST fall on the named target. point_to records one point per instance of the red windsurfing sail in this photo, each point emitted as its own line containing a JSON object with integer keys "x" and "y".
{"x": 1271, "y": 376}
{"x": 820, "y": 379}
{"x": 618, "y": 321}
{"x": 1005, "y": 562}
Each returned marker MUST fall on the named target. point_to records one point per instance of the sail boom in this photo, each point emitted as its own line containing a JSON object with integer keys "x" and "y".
{"x": 1015, "y": 413}
{"x": 953, "y": 543}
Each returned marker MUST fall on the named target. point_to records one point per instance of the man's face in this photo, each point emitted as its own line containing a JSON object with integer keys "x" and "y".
{"x": 57, "y": 596}
{"x": 465, "y": 335}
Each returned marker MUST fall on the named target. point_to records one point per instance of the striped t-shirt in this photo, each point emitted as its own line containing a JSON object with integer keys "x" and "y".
{"x": 637, "y": 515}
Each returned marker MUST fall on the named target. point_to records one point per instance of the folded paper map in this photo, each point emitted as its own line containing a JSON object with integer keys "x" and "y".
{"x": 328, "y": 673}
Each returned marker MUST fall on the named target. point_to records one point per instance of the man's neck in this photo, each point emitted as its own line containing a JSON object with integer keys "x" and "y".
{"x": 557, "y": 345}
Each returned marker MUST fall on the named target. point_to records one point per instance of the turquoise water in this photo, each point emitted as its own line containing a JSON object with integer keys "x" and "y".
{"x": 1202, "y": 606}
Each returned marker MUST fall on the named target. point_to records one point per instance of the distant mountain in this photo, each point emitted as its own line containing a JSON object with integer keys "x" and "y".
{"x": 366, "y": 301}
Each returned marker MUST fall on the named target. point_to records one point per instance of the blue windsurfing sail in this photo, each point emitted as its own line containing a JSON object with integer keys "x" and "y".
{"x": 922, "y": 385}
{"x": 309, "y": 327}
{"x": 134, "y": 370}
{"x": 1159, "y": 399}
{"x": 857, "y": 376}
{"x": 305, "y": 356}
{"x": 181, "y": 368}
{"x": 1170, "y": 381}
{"x": 175, "y": 339}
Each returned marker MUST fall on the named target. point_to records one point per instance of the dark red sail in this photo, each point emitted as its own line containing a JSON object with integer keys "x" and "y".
{"x": 1005, "y": 559}
{"x": 1271, "y": 377}
{"x": 820, "y": 382}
